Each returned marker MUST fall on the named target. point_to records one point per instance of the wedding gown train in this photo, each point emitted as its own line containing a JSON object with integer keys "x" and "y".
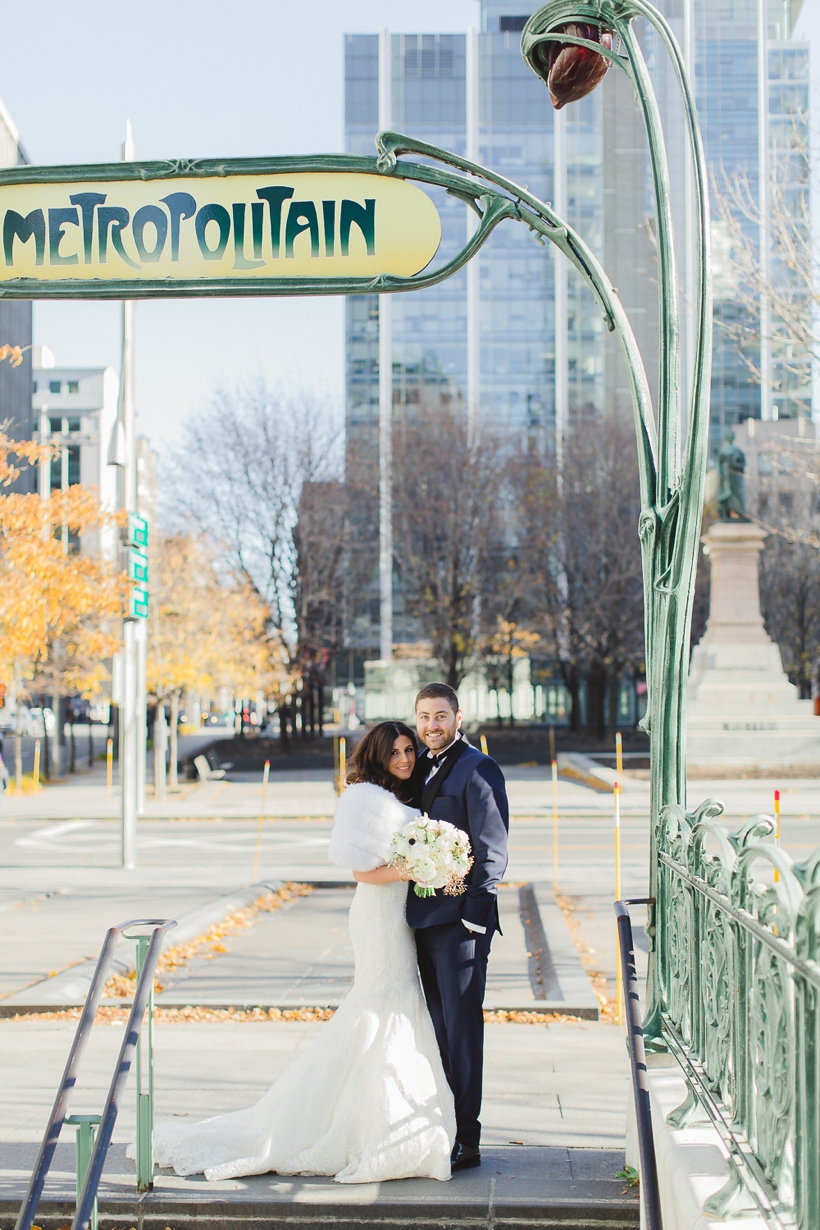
{"x": 367, "y": 1101}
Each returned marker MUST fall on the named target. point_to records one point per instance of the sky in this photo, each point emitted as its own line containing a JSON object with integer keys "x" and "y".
{"x": 197, "y": 79}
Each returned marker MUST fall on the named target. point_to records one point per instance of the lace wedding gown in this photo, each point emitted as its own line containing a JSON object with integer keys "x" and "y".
{"x": 368, "y": 1101}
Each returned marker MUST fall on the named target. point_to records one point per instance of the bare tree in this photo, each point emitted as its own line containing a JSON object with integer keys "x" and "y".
{"x": 788, "y": 508}
{"x": 766, "y": 266}
{"x": 318, "y": 586}
{"x": 261, "y": 476}
{"x": 790, "y": 599}
{"x": 583, "y": 558}
{"x": 448, "y": 526}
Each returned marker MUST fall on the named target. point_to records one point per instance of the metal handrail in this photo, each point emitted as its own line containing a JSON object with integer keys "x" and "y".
{"x": 45, "y": 1155}
{"x": 637, "y": 1059}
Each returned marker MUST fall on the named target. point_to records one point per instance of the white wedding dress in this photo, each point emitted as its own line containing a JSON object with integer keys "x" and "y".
{"x": 368, "y": 1101}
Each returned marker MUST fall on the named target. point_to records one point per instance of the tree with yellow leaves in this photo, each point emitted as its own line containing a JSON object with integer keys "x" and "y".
{"x": 204, "y": 632}
{"x": 502, "y": 648}
{"x": 59, "y": 611}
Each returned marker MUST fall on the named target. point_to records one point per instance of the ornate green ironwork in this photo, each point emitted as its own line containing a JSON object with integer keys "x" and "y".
{"x": 733, "y": 984}
{"x": 740, "y": 983}
{"x": 672, "y": 484}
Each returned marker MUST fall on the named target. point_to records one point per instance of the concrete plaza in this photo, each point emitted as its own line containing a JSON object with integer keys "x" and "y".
{"x": 550, "y": 1088}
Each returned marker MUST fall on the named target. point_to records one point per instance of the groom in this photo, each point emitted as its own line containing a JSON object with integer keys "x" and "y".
{"x": 455, "y": 782}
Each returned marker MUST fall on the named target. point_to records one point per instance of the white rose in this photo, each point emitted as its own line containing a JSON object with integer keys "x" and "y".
{"x": 424, "y": 870}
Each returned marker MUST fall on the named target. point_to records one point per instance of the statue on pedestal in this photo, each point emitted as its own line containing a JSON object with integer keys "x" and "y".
{"x": 732, "y": 490}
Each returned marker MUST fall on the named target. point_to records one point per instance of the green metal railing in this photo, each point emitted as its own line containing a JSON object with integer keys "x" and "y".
{"x": 92, "y": 1146}
{"x": 86, "y": 1126}
{"x": 145, "y": 1098}
{"x": 652, "y": 1214}
{"x": 738, "y": 934}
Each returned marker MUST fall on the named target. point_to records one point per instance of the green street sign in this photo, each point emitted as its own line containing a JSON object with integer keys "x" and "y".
{"x": 138, "y": 604}
{"x": 137, "y": 533}
{"x": 138, "y": 566}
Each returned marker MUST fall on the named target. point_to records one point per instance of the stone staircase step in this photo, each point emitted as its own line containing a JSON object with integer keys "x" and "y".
{"x": 574, "y": 1189}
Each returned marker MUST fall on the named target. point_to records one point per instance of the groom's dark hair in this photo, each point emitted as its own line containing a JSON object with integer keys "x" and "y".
{"x": 439, "y": 691}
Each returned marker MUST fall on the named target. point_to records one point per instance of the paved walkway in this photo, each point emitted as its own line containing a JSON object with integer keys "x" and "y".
{"x": 310, "y": 793}
{"x": 549, "y": 1086}
{"x": 300, "y": 955}
{"x": 558, "y": 1084}
{"x": 61, "y": 886}
{"x": 306, "y": 793}
{"x": 556, "y": 1090}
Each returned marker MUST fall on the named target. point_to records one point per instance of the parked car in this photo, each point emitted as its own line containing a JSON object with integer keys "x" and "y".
{"x": 38, "y": 721}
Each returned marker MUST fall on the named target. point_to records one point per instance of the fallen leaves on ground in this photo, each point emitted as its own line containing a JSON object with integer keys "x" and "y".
{"x": 527, "y": 1018}
{"x": 600, "y": 983}
{"x": 111, "y": 1014}
{"x": 211, "y": 943}
{"x": 27, "y": 785}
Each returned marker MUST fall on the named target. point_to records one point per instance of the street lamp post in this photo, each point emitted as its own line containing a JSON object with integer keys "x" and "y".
{"x": 568, "y": 43}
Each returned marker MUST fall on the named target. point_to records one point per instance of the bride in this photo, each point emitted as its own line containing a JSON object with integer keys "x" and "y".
{"x": 368, "y": 1101}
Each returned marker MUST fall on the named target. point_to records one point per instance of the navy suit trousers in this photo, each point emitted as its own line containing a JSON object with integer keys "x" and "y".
{"x": 453, "y": 967}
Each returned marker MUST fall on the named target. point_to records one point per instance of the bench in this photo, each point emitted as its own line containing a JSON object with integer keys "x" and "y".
{"x": 206, "y": 773}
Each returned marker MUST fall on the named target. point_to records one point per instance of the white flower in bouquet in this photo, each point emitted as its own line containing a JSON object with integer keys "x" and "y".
{"x": 433, "y": 853}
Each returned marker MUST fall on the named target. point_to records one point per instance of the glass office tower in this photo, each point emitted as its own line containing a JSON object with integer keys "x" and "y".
{"x": 486, "y": 338}
{"x": 752, "y": 82}
{"x": 516, "y": 338}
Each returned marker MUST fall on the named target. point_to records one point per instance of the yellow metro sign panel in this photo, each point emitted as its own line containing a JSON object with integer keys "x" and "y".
{"x": 129, "y": 231}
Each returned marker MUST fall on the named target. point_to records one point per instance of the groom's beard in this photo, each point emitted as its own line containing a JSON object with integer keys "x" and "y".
{"x": 440, "y": 743}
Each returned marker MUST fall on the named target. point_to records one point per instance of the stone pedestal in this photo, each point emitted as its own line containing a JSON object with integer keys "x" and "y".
{"x": 743, "y": 714}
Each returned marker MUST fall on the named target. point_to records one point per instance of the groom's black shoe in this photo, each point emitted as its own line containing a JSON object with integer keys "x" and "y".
{"x": 463, "y": 1157}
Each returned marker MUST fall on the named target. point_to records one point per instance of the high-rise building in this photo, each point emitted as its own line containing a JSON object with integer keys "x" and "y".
{"x": 516, "y": 337}
{"x": 76, "y": 408}
{"x": 752, "y": 83}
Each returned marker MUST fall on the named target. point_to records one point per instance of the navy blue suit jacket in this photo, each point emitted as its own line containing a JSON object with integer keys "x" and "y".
{"x": 468, "y": 791}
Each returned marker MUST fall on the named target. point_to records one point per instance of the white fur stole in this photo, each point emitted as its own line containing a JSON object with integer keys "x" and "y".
{"x": 365, "y": 820}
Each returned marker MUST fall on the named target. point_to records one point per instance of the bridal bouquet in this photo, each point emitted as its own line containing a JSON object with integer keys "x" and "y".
{"x": 433, "y": 853}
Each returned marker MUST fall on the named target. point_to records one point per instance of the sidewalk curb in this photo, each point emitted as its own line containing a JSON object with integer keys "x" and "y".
{"x": 584, "y": 769}
{"x": 69, "y": 989}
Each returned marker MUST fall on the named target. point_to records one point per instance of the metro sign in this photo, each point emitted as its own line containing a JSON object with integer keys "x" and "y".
{"x": 243, "y": 226}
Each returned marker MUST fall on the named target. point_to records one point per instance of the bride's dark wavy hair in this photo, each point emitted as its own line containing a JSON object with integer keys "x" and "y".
{"x": 371, "y": 760}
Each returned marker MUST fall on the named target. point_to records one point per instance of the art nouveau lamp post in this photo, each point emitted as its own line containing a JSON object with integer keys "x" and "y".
{"x": 570, "y": 44}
